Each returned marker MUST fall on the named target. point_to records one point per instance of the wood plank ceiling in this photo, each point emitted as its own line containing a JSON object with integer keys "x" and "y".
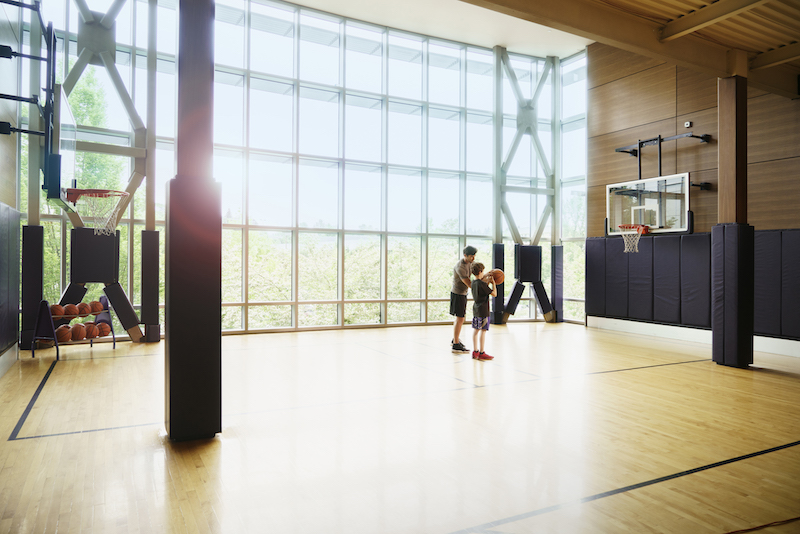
{"x": 759, "y": 39}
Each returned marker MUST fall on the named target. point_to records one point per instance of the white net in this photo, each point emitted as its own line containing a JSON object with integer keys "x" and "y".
{"x": 100, "y": 211}
{"x": 631, "y": 241}
{"x": 631, "y": 234}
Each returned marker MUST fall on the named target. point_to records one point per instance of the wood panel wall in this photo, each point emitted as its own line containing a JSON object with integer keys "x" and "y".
{"x": 9, "y": 26}
{"x": 632, "y": 97}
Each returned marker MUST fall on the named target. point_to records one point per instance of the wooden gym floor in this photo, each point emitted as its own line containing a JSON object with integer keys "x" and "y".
{"x": 569, "y": 430}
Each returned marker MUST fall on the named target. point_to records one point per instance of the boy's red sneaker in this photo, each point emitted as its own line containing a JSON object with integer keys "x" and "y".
{"x": 475, "y": 354}
{"x": 484, "y": 356}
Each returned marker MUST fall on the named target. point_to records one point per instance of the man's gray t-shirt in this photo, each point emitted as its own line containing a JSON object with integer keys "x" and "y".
{"x": 461, "y": 270}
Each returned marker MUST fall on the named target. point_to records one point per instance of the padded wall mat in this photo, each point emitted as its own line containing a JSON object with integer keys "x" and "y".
{"x": 767, "y": 283}
{"x": 640, "y": 281}
{"x": 696, "y": 280}
{"x": 667, "y": 279}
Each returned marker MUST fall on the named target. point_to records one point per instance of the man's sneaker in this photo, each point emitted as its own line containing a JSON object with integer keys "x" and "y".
{"x": 475, "y": 354}
{"x": 484, "y": 356}
{"x": 459, "y": 347}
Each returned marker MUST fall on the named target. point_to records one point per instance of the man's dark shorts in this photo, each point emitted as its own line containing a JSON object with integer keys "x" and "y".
{"x": 458, "y": 305}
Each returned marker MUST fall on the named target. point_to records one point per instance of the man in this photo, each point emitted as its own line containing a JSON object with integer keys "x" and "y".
{"x": 458, "y": 295}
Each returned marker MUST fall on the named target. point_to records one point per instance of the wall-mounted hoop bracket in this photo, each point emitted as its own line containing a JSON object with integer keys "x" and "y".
{"x": 636, "y": 150}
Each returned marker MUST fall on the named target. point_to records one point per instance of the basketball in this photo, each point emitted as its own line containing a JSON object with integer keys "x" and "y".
{"x": 78, "y": 332}
{"x": 96, "y": 307}
{"x": 103, "y": 329}
{"x": 64, "y": 333}
{"x": 83, "y": 309}
{"x": 70, "y": 311}
{"x": 57, "y": 311}
{"x": 91, "y": 329}
{"x": 497, "y": 275}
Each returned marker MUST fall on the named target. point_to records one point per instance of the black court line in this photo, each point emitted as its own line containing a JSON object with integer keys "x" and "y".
{"x": 85, "y": 431}
{"x": 483, "y": 529}
{"x": 66, "y": 359}
{"x": 643, "y": 367}
{"x": 28, "y": 409}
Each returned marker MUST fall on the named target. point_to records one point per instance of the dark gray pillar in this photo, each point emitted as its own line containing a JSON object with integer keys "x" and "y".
{"x": 150, "y": 285}
{"x": 498, "y": 262}
{"x": 557, "y": 282}
{"x": 32, "y": 280}
{"x": 193, "y": 374}
{"x": 732, "y": 295}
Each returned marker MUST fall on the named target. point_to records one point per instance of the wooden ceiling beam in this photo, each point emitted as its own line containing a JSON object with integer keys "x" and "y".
{"x": 617, "y": 28}
{"x": 776, "y": 57}
{"x": 707, "y": 16}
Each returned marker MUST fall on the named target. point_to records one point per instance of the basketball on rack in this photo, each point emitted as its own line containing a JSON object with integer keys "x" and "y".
{"x": 64, "y": 333}
{"x": 78, "y": 332}
{"x": 70, "y": 311}
{"x": 91, "y": 329}
{"x": 96, "y": 307}
{"x": 103, "y": 329}
{"x": 498, "y": 276}
{"x": 57, "y": 311}
{"x": 83, "y": 309}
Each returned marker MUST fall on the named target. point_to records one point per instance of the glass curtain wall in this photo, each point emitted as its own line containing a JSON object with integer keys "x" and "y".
{"x": 355, "y": 161}
{"x": 573, "y": 184}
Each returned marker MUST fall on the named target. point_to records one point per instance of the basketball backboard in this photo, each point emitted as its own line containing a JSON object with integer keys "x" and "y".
{"x": 60, "y": 168}
{"x": 662, "y": 203}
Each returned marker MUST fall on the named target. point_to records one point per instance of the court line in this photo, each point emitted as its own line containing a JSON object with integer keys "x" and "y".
{"x": 483, "y": 529}
{"x": 85, "y": 431}
{"x": 28, "y": 408}
{"x": 470, "y": 386}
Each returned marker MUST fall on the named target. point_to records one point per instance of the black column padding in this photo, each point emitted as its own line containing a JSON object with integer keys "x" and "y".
{"x": 718, "y": 294}
{"x": 557, "y": 281}
{"x": 640, "y": 281}
{"x": 767, "y": 283}
{"x": 32, "y": 280}
{"x": 790, "y": 280}
{"x": 696, "y": 280}
{"x": 616, "y": 278}
{"x": 498, "y": 262}
{"x": 596, "y": 276}
{"x": 7, "y": 334}
{"x": 667, "y": 279}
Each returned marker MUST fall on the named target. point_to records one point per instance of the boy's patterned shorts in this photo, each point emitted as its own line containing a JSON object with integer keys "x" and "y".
{"x": 480, "y": 323}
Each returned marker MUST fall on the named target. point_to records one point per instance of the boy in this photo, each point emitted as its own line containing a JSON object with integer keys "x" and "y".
{"x": 458, "y": 295}
{"x": 482, "y": 289}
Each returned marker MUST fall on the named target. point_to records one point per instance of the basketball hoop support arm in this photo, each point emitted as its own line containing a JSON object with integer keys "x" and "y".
{"x": 636, "y": 150}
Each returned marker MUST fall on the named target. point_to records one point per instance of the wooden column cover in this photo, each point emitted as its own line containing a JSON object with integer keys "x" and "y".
{"x": 732, "y": 153}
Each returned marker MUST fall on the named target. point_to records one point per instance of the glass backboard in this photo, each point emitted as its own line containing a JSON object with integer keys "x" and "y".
{"x": 662, "y": 203}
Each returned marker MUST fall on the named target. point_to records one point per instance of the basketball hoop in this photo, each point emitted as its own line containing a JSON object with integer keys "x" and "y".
{"x": 631, "y": 234}
{"x": 100, "y": 206}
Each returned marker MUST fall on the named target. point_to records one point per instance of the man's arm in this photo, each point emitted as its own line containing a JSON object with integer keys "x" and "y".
{"x": 468, "y": 282}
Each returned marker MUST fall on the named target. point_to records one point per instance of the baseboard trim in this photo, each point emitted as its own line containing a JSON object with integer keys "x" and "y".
{"x": 8, "y": 358}
{"x": 785, "y": 347}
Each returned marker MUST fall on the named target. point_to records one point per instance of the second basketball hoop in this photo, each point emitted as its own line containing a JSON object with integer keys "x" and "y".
{"x": 631, "y": 234}
{"x": 98, "y": 208}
